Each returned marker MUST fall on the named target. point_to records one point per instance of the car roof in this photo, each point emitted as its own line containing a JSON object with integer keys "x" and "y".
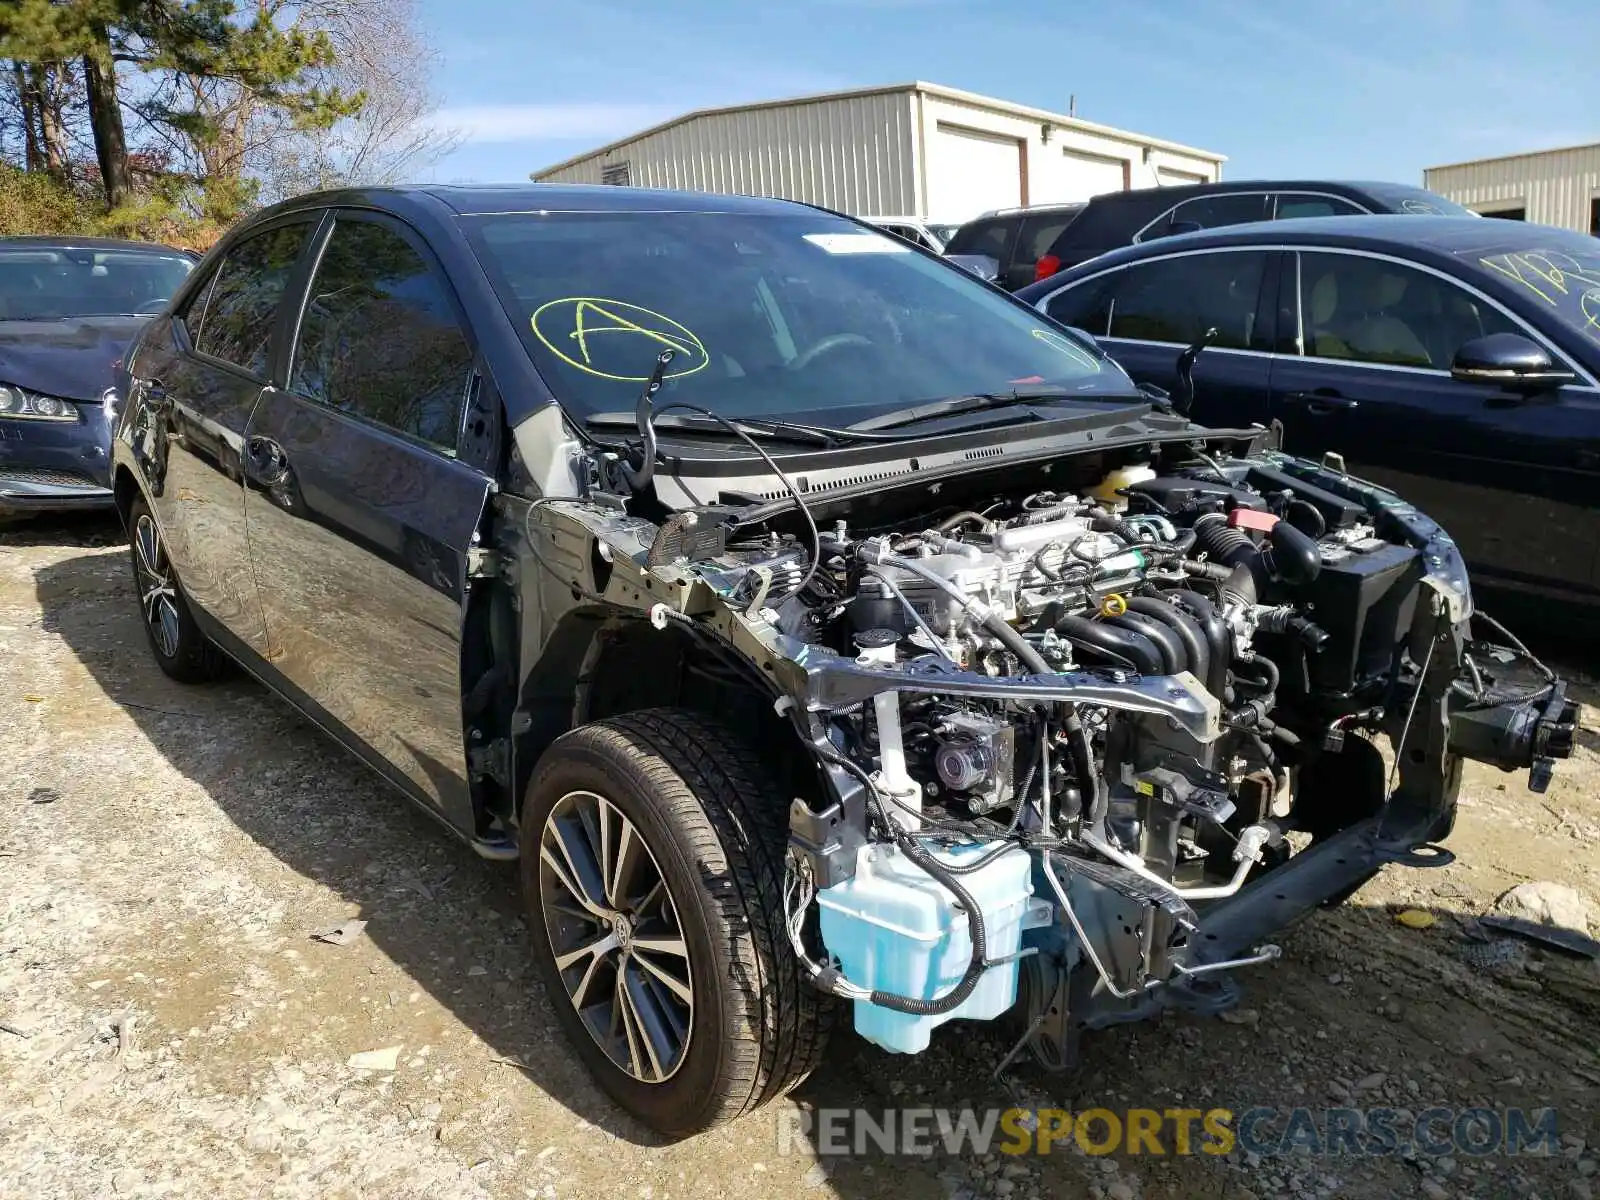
{"x": 1424, "y": 236}
{"x": 1178, "y": 191}
{"x": 462, "y": 200}
{"x": 1444, "y": 235}
{"x": 75, "y": 242}
{"x": 1029, "y": 209}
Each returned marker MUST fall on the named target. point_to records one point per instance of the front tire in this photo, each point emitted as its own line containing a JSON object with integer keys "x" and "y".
{"x": 182, "y": 651}
{"x": 652, "y": 868}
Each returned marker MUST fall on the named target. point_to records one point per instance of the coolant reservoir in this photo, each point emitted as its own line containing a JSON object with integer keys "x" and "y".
{"x": 894, "y": 928}
{"x": 1106, "y": 490}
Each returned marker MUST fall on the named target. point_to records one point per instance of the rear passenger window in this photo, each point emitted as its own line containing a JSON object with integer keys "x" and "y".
{"x": 243, "y": 304}
{"x": 1300, "y": 204}
{"x": 983, "y": 237}
{"x": 1177, "y": 299}
{"x": 380, "y": 338}
{"x": 1211, "y": 212}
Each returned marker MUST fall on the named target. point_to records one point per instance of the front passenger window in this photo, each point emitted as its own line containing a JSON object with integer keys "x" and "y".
{"x": 380, "y": 338}
{"x": 236, "y": 326}
{"x": 1376, "y": 310}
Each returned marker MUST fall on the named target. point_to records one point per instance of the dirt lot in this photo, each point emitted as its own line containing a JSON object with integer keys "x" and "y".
{"x": 171, "y": 1029}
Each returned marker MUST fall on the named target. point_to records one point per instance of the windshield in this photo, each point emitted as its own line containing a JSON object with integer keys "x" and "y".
{"x": 42, "y": 283}
{"x": 1560, "y": 273}
{"x": 796, "y": 315}
{"x": 944, "y": 232}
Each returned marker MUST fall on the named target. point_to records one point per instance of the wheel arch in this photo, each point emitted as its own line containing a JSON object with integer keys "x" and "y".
{"x": 124, "y": 490}
{"x": 597, "y": 665}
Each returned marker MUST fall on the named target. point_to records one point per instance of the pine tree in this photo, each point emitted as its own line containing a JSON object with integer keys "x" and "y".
{"x": 211, "y": 68}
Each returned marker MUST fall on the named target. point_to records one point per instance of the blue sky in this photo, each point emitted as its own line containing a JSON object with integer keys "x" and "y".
{"x": 1373, "y": 89}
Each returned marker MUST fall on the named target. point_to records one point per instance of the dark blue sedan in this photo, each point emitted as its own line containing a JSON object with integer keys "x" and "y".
{"x": 1451, "y": 359}
{"x": 68, "y": 309}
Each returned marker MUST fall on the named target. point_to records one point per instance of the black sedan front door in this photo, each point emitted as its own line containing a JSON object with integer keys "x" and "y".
{"x": 1511, "y": 475}
{"x": 360, "y": 515}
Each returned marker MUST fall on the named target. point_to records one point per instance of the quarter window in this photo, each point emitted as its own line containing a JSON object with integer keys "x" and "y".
{"x": 1303, "y": 204}
{"x": 380, "y": 338}
{"x": 1377, "y": 311}
{"x": 243, "y": 304}
{"x": 1177, "y": 299}
{"x": 1084, "y": 306}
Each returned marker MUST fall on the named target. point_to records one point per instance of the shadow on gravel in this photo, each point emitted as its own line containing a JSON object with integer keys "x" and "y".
{"x": 72, "y": 529}
{"x": 449, "y": 921}
{"x": 452, "y": 923}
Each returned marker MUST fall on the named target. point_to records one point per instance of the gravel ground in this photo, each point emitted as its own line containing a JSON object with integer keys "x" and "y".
{"x": 170, "y": 1027}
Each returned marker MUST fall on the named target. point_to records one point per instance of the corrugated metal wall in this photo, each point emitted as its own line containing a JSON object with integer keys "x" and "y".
{"x": 1557, "y": 188}
{"x": 854, "y": 154}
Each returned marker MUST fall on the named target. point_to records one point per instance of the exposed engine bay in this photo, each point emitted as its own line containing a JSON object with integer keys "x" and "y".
{"x": 1071, "y": 736}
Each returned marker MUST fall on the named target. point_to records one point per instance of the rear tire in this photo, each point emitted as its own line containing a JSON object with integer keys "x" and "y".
{"x": 714, "y": 822}
{"x": 182, "y": 651}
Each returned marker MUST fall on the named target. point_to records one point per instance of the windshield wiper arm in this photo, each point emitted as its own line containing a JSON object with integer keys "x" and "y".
{"x": 950, "y": 405}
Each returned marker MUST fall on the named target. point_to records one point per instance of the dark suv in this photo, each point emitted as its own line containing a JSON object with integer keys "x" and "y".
{"x": 1015, "y": 238}
{"x": 1126, "y": 218}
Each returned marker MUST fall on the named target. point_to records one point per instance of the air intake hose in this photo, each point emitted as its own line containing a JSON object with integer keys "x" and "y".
{"x": 1289, "y": 556}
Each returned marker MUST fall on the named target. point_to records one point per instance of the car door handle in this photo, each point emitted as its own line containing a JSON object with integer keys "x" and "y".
{"x": 267, "y": 462}
{"x": 1322, "y": 403}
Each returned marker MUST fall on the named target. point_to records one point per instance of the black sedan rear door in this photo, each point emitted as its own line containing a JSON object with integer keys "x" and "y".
{"x": 360, "y": 514}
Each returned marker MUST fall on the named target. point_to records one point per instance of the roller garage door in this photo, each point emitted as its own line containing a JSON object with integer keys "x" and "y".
{"x": 1088, "y": 175}
{"x": 970, "y": 172}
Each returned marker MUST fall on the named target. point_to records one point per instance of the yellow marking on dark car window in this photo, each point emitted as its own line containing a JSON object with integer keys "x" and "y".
{"x": 573, "y": 328}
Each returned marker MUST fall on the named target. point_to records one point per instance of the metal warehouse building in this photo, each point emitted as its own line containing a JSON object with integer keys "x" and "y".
{"x": 1552, "y": 187}
{"x": 914, "y": 149}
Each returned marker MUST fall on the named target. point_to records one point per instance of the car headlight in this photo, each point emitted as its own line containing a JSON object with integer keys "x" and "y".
{"x": 19, "y": 404}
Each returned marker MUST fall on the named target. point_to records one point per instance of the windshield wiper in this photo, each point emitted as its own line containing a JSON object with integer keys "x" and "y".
{"x": 972, "y": 402}
{"x": 760, "y": 427}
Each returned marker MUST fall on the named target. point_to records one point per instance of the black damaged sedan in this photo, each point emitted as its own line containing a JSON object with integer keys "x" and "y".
{"x": 68, "y": 309}
{"x": 823, "y": 630}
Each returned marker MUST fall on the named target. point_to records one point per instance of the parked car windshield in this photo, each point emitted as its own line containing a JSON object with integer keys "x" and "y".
{"x": 1559, "y": 271}
{"x": 42, "y": 283}
{"x": 800, "y": 314}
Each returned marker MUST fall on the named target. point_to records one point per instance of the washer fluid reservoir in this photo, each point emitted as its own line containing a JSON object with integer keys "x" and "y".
{"x": 894, "y": 928}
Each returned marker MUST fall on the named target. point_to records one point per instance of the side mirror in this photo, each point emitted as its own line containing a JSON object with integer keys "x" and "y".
{"x": 1178, "y": 227}
{"x": 1509, "y": 360}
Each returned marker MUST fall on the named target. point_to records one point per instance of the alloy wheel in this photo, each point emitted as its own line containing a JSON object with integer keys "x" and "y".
{"x": 158, "y": 594}
{"x": 615, "y": 935}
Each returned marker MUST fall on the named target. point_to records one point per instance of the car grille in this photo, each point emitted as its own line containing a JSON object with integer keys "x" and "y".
{"x": 46, "y": 477}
